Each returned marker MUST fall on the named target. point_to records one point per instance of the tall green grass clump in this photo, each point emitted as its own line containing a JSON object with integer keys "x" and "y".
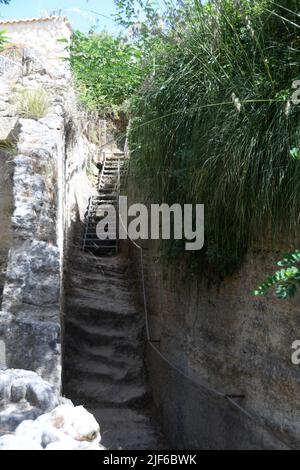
{"x": 215, "y": 124}
{"x": 32, "y": 104}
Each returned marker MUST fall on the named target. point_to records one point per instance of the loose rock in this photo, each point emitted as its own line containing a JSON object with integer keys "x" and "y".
{"x": 65, "y": 428}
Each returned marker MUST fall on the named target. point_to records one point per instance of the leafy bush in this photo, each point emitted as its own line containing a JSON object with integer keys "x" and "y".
{"x": 3, "y": 38}
{"x": 215, "y": 125}
{"x": 32, "y": 104}
{"x": 107, "y": 69}
{"x": 286, "y": 280}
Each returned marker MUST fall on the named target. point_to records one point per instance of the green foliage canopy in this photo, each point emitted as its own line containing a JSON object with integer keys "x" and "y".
{"x": 3, "y": 38}
{"x": 108, "y": 70}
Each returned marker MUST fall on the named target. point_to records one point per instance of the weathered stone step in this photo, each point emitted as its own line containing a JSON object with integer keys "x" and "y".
{"x": 108, "y": 251}
{"x": 106, "y": 353}
{"x": 96, "y": 392}
{"x": 100, "y": 272}
{"x": 108, "y": 178}
{"x": 107, "y": 185}
{"x": 105, "y": 329}
{"x": 109, "y": 190}
{"x": 105, "y": 249}
{"x": 94, "y": 300}
{"x": 105, "y": 192}
{"x": 128, "y": 429}
{"x": 114, "y": 369}
{"x": 104, "y": 196}
{"x": 92, "y": 280}
{"x": 103, "y": 277}
{"x": 113, "y": 270}
{"x": 90, "y": 302}
{"x": 120, "y": 344}
{"x": 112, "y": 264}
{"x": 95, "y": 321}
{"x": 101, "y": 373}
{"x": 104, "y": 203}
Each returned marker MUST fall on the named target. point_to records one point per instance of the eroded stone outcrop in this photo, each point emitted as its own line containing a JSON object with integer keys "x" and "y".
{"x": 31, "y": 303}
{"x": 39, "y": 418}
{"x": 47, "y": 182}
{"x": 24, "y": 395}
{"x": 47, "y": 191}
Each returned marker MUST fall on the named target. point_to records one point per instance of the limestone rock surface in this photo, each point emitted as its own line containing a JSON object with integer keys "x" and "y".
{"x": 34, "y": 417}
{"x": 23, "y": 395}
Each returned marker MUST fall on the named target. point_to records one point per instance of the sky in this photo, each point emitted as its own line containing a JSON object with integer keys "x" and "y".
{"x": 81, "y": 13}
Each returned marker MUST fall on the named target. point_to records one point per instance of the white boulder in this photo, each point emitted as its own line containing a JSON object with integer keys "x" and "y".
{"x": 12, "y": 442}
{"x": 65, "y": 428}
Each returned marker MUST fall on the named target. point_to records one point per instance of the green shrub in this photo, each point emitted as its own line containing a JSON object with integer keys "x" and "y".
{"x": 32, "y": 104}
{"x": 3, "y": 38}
{"x": 107, "y": 70}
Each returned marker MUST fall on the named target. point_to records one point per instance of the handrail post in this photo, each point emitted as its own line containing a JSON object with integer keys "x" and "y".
{"x": 118, "y": 207}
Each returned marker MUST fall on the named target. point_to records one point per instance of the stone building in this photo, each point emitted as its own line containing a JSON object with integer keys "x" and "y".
{"x": 42, "y": 34}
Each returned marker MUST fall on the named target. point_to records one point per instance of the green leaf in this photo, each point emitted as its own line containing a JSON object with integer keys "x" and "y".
{"x": 286, "y": 281}
{"x": 295, "y": 153}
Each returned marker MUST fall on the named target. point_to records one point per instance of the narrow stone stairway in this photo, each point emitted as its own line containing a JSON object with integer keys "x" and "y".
{"x": 104, "y": 353}
{"x": 108, "y": 189}
{"x": 104, "y": 341}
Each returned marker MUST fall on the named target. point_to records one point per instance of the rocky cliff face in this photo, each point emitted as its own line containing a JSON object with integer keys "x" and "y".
{"x": 34, "y": 417}
{"x": 5, "y": 212}
{"x": 31, "y": 304}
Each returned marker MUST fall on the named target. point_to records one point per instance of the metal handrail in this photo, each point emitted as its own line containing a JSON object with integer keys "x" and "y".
{"x": 87, "y": 224}
{"x": 118, "y": 205}
{"x": 102, "y": 171}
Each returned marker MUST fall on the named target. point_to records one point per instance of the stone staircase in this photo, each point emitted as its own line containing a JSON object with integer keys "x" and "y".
{"x": 104, "y": 344}
{"x": 104, "y": 353}
{"x": 107, "y": 196}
